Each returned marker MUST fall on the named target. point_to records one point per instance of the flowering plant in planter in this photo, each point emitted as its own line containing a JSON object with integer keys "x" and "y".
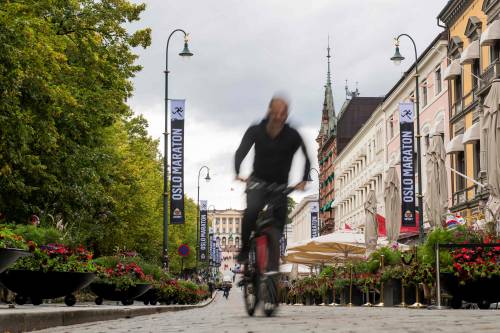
{"x": 56, "y": 258}
{"x": 9, "y": 239}
{"x": 474, "y": 263}
{"x": 121, "y": 272}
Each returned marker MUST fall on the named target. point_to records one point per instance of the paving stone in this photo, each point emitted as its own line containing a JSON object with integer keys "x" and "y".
{"x": 229, "y": 316}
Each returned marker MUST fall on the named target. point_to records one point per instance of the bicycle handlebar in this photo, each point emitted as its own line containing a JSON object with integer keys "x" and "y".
{"x": 258, "y": 184}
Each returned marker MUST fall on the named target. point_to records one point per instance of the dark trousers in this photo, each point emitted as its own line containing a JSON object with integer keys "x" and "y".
{"x": 257, "y": 199}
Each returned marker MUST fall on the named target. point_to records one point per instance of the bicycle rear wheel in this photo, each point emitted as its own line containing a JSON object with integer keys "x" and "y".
{"x": 269, "y": 294}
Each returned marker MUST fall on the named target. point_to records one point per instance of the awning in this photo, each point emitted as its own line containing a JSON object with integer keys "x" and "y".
{"x": 455, "y": 145}
{"x": 438, "y": 128}
{"x": 491, "y": 34}
{"x": 453, "y": 70}
{"x": 470, "y": 53}
{"x": 471, "y": 134}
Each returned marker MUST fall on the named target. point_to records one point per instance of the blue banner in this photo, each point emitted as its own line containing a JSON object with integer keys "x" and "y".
{"x": 314, "y": 220}
{"x": 177, "y": 161}
{"x": 407, "y": 164}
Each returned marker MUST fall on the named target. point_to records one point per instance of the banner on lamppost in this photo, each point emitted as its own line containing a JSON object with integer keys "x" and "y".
{"x": 314, "y": 219}
{"x": 282, "y": 245}
{"x": 177, "y": 160}
{"x": 211, "y": 243}
{"x": 407, "y": 164}
{"x": 203, "y": 230}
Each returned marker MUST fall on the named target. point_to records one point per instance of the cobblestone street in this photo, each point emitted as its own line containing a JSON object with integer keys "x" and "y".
{"x": 229, "y": 316}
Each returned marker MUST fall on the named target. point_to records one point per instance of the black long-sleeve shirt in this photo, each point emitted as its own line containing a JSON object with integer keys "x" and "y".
{"x": 273, "y": 157}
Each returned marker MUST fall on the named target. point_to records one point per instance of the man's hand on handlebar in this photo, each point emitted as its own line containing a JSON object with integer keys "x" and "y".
{"x": 241, "y": 179}
{"x": 301, "y": 186}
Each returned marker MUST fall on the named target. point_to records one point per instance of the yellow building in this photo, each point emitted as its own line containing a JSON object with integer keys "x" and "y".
{"x": 468, "y": 74}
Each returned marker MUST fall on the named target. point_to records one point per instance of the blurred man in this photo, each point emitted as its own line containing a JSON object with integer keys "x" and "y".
{"x": 275, "y": 143}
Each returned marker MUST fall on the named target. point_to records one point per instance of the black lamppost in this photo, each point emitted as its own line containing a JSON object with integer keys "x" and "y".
{"x": 319, "y": 187}
{"x": 185, "y": 53}
{"x": 397, "y": 58}
{"x": 207, "y": 178}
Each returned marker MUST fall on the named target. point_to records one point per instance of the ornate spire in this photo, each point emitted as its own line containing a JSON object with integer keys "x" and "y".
{"x": 328, "y": 76}
{"x": 328, "y": 119}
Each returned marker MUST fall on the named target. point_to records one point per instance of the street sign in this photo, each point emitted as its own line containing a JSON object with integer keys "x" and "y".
{"x": 183, "y": 250}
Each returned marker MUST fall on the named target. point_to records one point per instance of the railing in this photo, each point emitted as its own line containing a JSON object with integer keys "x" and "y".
{"x": 490, "y": 73}
{"x": 460, "y": 197}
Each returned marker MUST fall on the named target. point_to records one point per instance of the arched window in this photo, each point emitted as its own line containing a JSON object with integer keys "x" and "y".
{"x": 237, "y": 241}
{"x": 224, "y": 241}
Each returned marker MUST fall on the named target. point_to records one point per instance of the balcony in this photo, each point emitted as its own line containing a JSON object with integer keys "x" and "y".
{"x": 460, "y": 201}
{"x": 489, "y": 74}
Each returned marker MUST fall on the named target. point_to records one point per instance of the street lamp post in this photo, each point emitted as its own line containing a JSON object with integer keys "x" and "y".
{"x": 207, "y": 178}
{"x": 185, "y": 53}
{"x": 319, "y": 185}
{"x": 397, "y": 58}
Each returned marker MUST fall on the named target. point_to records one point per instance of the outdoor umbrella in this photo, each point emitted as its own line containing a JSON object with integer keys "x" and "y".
{"x": 340, "y": 243}
{"x": 392, "y": 205}
{"x": 437, "y": 184}
{"x": 371, "y": 225}
{"x": 491, "y": 125}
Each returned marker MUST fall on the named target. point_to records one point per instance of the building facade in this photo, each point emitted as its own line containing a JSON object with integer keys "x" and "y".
{"x": 360, "y": 167}
{"x": 433, "y": 106}
{"x": 363, "y": 163}
{"x": 471, "y": 67}
{"x": 326, "y": 153}
{"x": 227, "y": 232}
{"x": 300, "y": 217}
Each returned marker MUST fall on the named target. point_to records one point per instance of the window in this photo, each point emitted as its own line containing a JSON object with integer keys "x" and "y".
{"x": 494, "y": 51}
{"x": 217, "y": 220}
{"x": 223, "y": 230}
{"x": 437, "y": 77}
{"x": 475, "y": 74}
{"x": 391, "y": 127}
{"x": 230, "y": 220}
{"x": 457, "y": 83}
{"x": 424, "y": 93}
{"x": 477, "y": 163}
{"x": 224, "y": 220}
{"x": 460, "y": 164}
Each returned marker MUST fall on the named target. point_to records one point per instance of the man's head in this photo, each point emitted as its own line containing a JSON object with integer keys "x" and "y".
{"x": 277, "y": 112}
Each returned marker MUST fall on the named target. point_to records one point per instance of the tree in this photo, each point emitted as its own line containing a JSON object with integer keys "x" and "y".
{"x": 65, "y": 69}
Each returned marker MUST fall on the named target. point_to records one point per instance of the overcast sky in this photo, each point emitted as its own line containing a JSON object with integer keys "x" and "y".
{"x": 244, "y": 51}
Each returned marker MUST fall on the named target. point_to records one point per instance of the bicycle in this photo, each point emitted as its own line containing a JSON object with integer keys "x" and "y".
{"x": 258, "y": 284}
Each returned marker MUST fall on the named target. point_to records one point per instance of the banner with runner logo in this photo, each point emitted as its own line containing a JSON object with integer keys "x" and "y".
{"x": 177, "y": 161}
{"x": 211, "y": 242}
{"x": 407, "y": 164}
{"x": 314, "y": 219}
{"x": 203, "y": 230}
{"x": 282, "y": 245}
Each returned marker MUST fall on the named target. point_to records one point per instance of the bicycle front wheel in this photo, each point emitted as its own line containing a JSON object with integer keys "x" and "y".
{"x": 251, "y": 282}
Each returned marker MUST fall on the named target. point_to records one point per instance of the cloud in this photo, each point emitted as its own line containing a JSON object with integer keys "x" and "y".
{"x": 244, "y": 51}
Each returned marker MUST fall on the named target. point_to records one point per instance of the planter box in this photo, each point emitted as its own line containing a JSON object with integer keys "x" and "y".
{"x": 152, "y": 296}
{"x": 8, "y": 256}
{"x": 357, "y": 295}
{"x": 110, "y": 292}
{"x": 481, "y": 291}
{"x": 39, "y": 285}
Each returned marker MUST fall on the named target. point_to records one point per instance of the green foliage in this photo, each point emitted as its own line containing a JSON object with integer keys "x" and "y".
{"x": 69, "y": 150}
{"x": 391, "y": 257}
{"x": 327, "y": 272}
{"x": 9, "y": 239}
{"x": 39, "y": 235}
{"x": 290, "y": 206}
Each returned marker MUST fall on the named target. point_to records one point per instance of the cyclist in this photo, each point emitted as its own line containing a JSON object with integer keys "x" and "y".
{"x": 275, "y": 143}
